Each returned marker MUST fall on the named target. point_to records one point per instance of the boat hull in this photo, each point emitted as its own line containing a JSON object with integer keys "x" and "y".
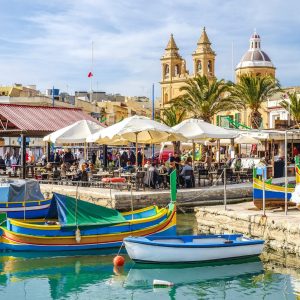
{"x": 25, "y": 242}
{"x": 175, "y": 252}
{"x": 31, "y": 210}
{"x": 274, "y": 195}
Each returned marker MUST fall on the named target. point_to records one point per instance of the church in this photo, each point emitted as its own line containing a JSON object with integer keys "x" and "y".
{"x": 174, "y": 70}
{"x": 255, "y": 62}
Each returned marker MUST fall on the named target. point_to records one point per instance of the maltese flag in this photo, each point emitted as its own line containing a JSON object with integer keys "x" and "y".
{"x": 90, "y": 75}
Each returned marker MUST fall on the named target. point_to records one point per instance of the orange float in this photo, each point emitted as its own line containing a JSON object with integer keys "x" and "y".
{"x": 119, "y": 261}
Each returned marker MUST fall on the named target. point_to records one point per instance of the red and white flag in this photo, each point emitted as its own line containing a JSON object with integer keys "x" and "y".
{"x": 90, "y": 75}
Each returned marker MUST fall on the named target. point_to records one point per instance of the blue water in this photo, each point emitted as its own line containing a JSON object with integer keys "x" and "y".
{"x": 92, "y": 276}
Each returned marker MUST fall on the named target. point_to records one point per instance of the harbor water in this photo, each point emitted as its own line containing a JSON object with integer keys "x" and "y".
{"x": 92, "y": 276}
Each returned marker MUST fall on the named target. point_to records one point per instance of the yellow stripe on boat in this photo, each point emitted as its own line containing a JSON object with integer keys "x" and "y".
{"x": 30, "y": 201}
{"x": 258, "y": 184}
{"x": 140, "y": 210}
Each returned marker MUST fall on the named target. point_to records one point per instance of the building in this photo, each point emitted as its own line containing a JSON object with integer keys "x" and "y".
{"x": 174, "y": 71}
{"x": 255, "y": 62}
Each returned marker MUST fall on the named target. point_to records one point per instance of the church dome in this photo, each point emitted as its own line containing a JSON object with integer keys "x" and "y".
{"x": 255, "y": 57}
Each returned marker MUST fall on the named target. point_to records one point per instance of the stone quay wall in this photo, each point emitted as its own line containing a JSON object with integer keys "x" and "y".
{"x": 281, "y": 233}
{"x": 187, "y": 199}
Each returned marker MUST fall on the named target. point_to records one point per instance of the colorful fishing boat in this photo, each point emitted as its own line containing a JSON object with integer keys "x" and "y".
{"x": 22, "y": 199}
{"x": 73, "y": 224}
{"x": 191, "y": 248}
{"x": 274, "y": 194}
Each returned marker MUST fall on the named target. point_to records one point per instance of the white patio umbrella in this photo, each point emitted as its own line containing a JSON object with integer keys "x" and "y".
{"x": 74, "y": 133}
{"x": 197, "y": 129}
{"x": 246, "y": 139}
{"x": 194, "y": 129}
{"x": 136, "y": 129}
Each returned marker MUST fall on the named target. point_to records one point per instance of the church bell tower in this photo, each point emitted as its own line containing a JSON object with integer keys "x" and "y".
{"x": 204, "y": 57}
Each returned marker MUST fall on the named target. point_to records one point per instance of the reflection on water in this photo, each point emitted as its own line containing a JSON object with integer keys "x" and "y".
{"x": 92, "y": 276}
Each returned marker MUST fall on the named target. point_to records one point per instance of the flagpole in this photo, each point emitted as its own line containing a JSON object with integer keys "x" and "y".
{"x": 92, "y": 71}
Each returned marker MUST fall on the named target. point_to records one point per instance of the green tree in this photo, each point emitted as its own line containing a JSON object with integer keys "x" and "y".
{"x": 203, "y": 98}
{"x": 171, "y": 116}
{"x": 293, "y": 106}
{"x": 251, "y": 92}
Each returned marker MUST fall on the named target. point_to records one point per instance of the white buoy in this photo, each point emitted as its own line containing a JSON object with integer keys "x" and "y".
{"x": 162, "y": 283}
{"x": 77, "y": 235}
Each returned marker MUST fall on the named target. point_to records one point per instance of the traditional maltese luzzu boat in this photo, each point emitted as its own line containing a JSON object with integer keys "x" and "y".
{"x": 73, "y": 224}
{"x": 22, "y": 199}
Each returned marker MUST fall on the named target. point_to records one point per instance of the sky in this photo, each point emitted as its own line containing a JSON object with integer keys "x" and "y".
{"x": 49, "y": 43}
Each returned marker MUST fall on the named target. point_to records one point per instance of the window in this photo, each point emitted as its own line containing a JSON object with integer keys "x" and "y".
{"x": 167, "y": 71}
{"x": 209, "y": 67}
{"x": 177, "y": 70}
{"x": 199, "y": 66}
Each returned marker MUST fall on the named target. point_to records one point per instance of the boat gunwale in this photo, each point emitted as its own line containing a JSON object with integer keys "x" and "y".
{"x": 232, "y": 243}
{"x": 258, "y": 184}
{"x": 16, "y": 222}
{"x": 22, "y": 202}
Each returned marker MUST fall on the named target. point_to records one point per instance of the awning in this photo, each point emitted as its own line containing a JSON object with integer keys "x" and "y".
{"x": 37, "y": 120}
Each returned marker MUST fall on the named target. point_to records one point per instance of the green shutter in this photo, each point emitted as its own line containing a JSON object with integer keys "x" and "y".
{"x": 218, "y": 120}
{"x": 237, "y": 117}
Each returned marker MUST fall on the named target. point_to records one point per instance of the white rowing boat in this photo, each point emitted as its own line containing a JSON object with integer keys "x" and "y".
{"x": 195, "y": 248}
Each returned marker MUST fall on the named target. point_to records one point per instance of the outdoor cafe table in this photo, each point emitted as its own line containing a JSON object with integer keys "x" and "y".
{"x": 100, "y": 175}
{"x": 238, "y": 174}
{"x": 128, "y": 176}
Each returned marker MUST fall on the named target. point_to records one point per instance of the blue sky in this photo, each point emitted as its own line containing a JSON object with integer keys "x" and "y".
{"x": 49, "y": 42}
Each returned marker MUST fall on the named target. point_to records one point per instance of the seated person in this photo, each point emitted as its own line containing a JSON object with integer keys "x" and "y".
{"x": 163, "y": 169}
{"x": 129, "y": 167}
{"x": 186, "y": 175}
{"x": 2, "y": 164}
{"x": 152, "y": 178}
{"x": 78, "y": 176}
{"x": 147, "y": 164}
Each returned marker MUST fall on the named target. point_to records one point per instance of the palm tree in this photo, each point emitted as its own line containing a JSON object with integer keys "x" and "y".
{"x": 171, "y": 117}
{"x": 251, "y": 92}
{"x": 293, "y": 106}
{"x": 203, "y": 98}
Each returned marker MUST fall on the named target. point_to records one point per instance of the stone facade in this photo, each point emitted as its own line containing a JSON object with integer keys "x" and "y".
{"x": 174, "y": 71}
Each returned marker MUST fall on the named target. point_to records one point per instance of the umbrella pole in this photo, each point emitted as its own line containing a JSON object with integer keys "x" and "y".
{"x": 286, "y": 173}
{"x": 84, "y": 152}
{"x": 136, "y": 151}
{"x": 143, "y": 155}
{"x": 219, "y": 154}
{"x": 193, "y": 154}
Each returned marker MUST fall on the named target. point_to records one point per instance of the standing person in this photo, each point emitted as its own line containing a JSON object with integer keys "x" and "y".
{"x": 132, "y": 157}
{"x": 94, "y": 156}
{"x": 140, "y": 158}
{"x": 124, "y": 159}
{"x": 57, "y": 158}
{"x": 7, "y": 159}
{"x": 175, "y": 161}
{"x": 208, "y": 159}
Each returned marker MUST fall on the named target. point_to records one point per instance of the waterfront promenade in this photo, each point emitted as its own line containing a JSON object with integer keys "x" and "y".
{"x": 186, "y": 198}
